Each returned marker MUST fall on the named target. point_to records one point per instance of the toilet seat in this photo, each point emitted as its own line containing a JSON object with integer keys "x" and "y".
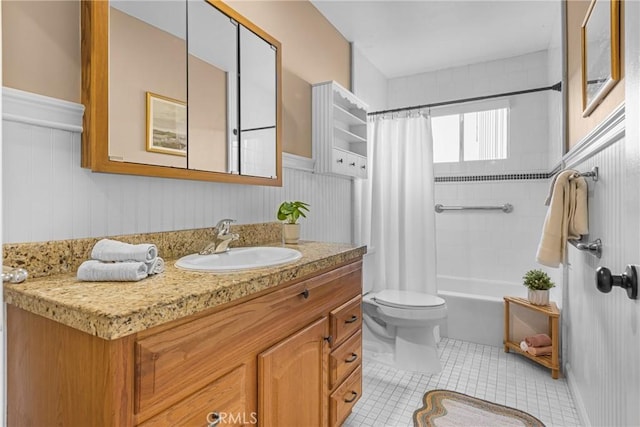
{"x": 407, "y": 299}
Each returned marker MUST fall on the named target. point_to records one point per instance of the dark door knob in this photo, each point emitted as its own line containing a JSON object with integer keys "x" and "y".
{"x": 605, "y": 281}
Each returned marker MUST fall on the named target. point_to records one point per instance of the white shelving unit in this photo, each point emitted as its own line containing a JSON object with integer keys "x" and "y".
{"x": 339, "y": 131}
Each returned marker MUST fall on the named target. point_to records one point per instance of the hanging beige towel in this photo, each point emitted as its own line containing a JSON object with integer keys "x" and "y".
{"x": 567, "y": 217}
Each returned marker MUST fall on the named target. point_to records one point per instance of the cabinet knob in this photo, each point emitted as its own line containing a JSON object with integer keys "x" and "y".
{"x": 353, "y": 397}
{"x": 339, "y": 161}
{"x": 363, "y": 167}
{"x": 352, "y": 319}
{"x": 605, "y": 281}
{"x": 305, "y": 293}
{"x": 328, "y": 339}
{"x": 351, "y": 358}
{"x": 352, "y": 164}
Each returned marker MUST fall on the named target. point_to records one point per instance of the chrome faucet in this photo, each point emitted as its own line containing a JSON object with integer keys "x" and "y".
{"x": 223, "y": 238}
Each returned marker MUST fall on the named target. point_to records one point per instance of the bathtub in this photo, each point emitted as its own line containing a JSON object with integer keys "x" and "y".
{"x": 475, "y": 308}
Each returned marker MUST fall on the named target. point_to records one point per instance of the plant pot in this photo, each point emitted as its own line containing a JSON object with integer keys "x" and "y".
{"x": 291, "y": 233}
{"x": 539, "y": 297}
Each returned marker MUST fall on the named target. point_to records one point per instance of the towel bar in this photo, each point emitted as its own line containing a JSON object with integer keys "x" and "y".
{"x": 506, "y": 208}
{"x": 593, "y": 173}
{"x": 594, "y": 247}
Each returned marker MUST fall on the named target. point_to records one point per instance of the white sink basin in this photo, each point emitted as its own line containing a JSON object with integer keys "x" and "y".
{"x": 238, "y": 259}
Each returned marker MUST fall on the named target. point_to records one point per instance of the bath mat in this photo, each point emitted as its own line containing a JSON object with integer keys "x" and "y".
{"x": 444, "y": 408}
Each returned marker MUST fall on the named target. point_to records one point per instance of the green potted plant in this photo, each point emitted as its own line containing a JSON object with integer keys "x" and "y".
{"x": 538, "y": 282}
{"x": 290, "y": 212}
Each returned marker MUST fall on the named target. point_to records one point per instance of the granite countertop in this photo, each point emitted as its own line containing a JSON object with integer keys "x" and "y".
{"x": 112, "y": 310}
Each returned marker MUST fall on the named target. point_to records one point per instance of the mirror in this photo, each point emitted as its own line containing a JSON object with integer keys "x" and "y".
{"x": 197, "y": 96}
{"x": 600, "y": 52}
{"x": 213, "y": 88}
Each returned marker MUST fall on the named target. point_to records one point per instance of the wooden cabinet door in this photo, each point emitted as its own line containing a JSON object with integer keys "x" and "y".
{"x": 292, "y": 379}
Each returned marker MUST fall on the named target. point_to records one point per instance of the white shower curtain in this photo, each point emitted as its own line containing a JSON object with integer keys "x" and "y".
{"x": 395, "y": 206}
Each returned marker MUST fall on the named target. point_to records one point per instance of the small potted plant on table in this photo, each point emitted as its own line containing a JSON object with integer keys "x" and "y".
{"x": 290, "y": 212}
{"x": 539, "y": 284}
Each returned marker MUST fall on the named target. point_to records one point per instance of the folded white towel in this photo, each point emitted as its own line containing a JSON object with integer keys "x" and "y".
{"x": 156, "y": 266}
{"x": 113, "y": 250}
{"x": 567, "y": 217}
{"x": 524, "y": 346}
{"x": 97, "y": 271}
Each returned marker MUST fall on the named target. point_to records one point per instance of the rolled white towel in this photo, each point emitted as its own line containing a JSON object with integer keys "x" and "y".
{"x": 97, "y": 271}
{"x": 156, "y": 266}
{"x": 524, "y": 346}
{"x": 113, "y": 250}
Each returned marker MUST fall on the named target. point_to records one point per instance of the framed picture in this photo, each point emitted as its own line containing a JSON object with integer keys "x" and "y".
{"x": 600, "y": 34}
{"x": 166, "y": 125}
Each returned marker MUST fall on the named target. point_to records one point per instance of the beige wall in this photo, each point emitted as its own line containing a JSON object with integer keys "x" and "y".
{"x": 312, "y": 52}
{"x": 41, "y": 47}
{"x": 579, "y": 127}
{"x": 41, "y": 54}
{"x": 207, "y": 116}
{"x": 141, "y": 59}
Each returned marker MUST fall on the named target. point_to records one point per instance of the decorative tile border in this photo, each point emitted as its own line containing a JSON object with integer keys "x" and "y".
{"x": 42, "y": 259}
{"x": 502, "y": 177}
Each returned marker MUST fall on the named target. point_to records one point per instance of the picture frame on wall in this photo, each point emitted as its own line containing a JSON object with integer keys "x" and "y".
{"x": 600, "y": 36}
{"x": 166, "y": 125}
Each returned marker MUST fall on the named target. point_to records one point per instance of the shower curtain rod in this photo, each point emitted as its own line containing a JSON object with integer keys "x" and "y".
{"x": 557, "y": 87}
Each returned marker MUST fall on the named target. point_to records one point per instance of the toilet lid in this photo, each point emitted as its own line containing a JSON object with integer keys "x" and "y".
{"x": 399, "y": 299}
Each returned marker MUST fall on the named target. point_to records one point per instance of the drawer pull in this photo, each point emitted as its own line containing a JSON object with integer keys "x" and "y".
{"x": 351, "y": 358}
{"x": 213, "y": 419}
{"x": 353, "y": 318}
{"x": 339, "y": 161}
{"x": 329, "y": 339}
{"x": 354, "y": 396}
{"x": 305, "y": 294}
{"x": 352, "y": 164}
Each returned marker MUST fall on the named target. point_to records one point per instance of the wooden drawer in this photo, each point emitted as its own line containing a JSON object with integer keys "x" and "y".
{"x": 345, "y": 396}
{"x": 345, "y": 320}
{"x": 344, "y": 359}
{"x": 224, "y": 399}
{"x": 174, "y": 363}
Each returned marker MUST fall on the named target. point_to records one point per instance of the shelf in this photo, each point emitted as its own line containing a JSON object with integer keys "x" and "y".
{"x": 543, "y": 360}
{"x": 347, "y": 136}
{"x": 339, "y": 129}
{"x": 552, "y": 313}
{"x": 342, "y": 115}
{"x": 549, "y": 310}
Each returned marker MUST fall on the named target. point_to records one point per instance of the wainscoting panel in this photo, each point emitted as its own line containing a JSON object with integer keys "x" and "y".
{"x": 601, "y": 331}
{"x": 48, "y": 196}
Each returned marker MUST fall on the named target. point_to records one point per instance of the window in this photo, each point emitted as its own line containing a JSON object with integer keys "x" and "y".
{"x": 478, "y": 131}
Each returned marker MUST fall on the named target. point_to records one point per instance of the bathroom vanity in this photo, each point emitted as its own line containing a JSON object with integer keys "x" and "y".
{"x": 273, "y": 347}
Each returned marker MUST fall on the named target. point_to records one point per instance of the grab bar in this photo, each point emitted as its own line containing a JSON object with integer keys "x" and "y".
{"x": 506, "y": 208}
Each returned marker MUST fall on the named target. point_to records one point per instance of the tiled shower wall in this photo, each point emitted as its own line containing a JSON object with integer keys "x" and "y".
{"x": 494, "y": 245}
{"x": 48, "y": 196}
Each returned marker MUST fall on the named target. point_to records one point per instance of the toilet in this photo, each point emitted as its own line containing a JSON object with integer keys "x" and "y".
{"x": 407, "y": 319}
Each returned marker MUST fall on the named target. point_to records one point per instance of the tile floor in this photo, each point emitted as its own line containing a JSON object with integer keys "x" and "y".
{"x": 390, "y": 396}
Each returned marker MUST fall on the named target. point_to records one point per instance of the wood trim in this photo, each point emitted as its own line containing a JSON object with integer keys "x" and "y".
{"x": 95, "y": 97}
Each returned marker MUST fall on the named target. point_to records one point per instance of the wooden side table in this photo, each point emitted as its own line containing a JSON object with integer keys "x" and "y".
{"x": 553, "y": 314}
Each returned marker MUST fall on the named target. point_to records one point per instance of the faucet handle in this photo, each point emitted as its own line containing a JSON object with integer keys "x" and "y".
{"x": 223, "y": 226}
